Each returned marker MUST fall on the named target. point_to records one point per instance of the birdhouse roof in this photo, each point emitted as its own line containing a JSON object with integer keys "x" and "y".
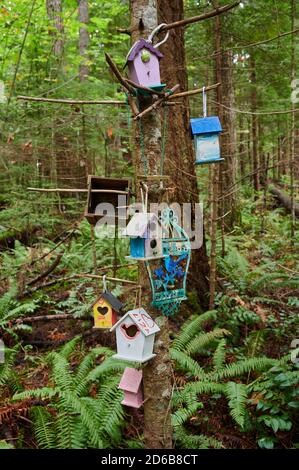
{"x": 131, "y": 380}
{"x": 205, "y": 125}
{"x": 112, "y": 300}
{"x": 142, "y": 320}
{"x": 138, "y": 225}
{"x": 142, "y": 44}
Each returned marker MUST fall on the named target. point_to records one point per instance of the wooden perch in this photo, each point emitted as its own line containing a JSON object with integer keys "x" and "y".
{"x": 156, "y": 103}
{"x": 187, "y": 21}
{"x": 48, "y": 270}
{"x": 204, "y": 16}
{"x": 193, "y": 92}
{"x": 284, "y": 200}
{"x": 64, "y": 101}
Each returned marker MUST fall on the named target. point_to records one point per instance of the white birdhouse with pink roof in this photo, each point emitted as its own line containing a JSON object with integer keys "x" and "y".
{"x": 135, "y": 336}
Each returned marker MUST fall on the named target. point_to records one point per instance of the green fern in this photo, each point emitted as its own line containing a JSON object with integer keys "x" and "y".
{"x": 191, "y": 328}
{"x": 203, "y": 340}
{"x": 43, "y": 427}
{"x": 236, "y": 394}
{"x": 219, "y": 355}
{"x": 70, "y": 417}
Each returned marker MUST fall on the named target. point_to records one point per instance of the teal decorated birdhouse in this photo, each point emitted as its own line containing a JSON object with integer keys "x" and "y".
{"x": 205, "y": 133}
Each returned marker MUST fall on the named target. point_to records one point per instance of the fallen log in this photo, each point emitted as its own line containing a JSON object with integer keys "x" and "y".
{"x": 284, "y": 200}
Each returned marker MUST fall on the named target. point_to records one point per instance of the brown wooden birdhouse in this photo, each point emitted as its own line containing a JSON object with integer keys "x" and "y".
{"x": 107, "y": 199}
{"x": 105, "y": 310}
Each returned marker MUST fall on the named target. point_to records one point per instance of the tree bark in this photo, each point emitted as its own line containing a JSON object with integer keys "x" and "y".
{"x": 254, "y": 127}
{"x": 54, "y": 10}
{"x": 83, "y": 15}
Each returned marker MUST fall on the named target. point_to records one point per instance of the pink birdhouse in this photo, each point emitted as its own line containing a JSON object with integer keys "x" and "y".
{"x": 143, "y": 64}
{"x": 131, "y": 384}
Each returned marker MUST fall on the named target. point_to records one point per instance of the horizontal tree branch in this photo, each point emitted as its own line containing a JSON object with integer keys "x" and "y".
{"x": 193, "y": 92}
{"x": 66, "y": 101}
{"x": 187, "y": 21}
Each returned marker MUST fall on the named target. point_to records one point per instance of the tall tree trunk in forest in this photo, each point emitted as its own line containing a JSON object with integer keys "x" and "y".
{"x": 70, "y": 167}
{"x": 254, "y": 127}
{"x": 179, "y": 153}
{"x": 83, "y": 16}
{"x": 293, "y": 127}
{"x": 157, "y": 374}
{"x": 54, "y": 10}
{"x": 225, "y": 110}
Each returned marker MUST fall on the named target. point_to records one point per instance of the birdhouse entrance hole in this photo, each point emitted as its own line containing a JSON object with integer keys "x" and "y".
{"x": 102, "y": 310}
{"x": 130, "y": 331}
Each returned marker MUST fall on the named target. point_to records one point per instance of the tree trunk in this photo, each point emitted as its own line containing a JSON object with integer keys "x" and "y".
{"x": 157, "y": 374}
{"x": 54, "y": 10}
{"x": 179, "y": 153}
{"x": 254, "y": 127}
{"x": 83, "y": 16}
{"x": 293, "y": 127}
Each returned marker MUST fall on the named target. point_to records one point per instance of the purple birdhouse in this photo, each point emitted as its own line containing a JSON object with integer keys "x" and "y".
{"x": 131, "y": 384}
{"x": 143, "y": 64}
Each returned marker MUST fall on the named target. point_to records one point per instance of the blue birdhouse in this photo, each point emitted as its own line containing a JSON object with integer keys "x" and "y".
{"x": 205, "y": 132}
{"x": 145, "y": 232}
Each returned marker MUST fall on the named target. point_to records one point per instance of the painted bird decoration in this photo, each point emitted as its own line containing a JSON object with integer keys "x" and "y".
{"x": 171, "y": 272}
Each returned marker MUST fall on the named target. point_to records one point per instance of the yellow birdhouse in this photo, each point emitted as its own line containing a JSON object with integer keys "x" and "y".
{"x": 105, "y": 310}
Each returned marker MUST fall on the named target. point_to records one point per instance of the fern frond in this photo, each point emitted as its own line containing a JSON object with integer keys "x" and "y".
{"x": 219, "y": 355}
{"x": 69, "y": 347}
{"x": 186, "y": 363}
{"x": 85, "y": 367}
{"x": 268, "y": 278}
{"x": 43, "y": 427}
{"x": 191, "y": 328}
{"x": 182, "y": 415}
{"x": 236, "y": 394}
{"x": 201, "y": 387}
{"x": 193, "y": 441}
{"x": 203, "y": 340}
{"x": 78, "y": 405}
{"x": 240, "y": 368}
{"x": 61, "y": 374}
{"x": 44, "y": 393}
{"x": 109, "y": 366}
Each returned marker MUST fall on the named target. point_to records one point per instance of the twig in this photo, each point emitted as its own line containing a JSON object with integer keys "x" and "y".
{"x": 20, "y": 53}
{"x": 187, "y": 21}
{"x": 62, "y": 316}
{"x": 48, "y": 271}
{"x": 193, "y": 92}
{"x": 70, "y": 102}
{"x": 117, "y": 73}
{"x": 204, "y": 16}
{"x": 156, "y": 103}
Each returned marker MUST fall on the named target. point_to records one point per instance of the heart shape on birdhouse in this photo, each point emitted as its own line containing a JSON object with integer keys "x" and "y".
{"x": 102, "y": 310}
{"x": 130, "y": 331}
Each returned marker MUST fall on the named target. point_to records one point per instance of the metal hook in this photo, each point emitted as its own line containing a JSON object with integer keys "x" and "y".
{"x": 156, "y": 31}
{"x": 104, "y": 283}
